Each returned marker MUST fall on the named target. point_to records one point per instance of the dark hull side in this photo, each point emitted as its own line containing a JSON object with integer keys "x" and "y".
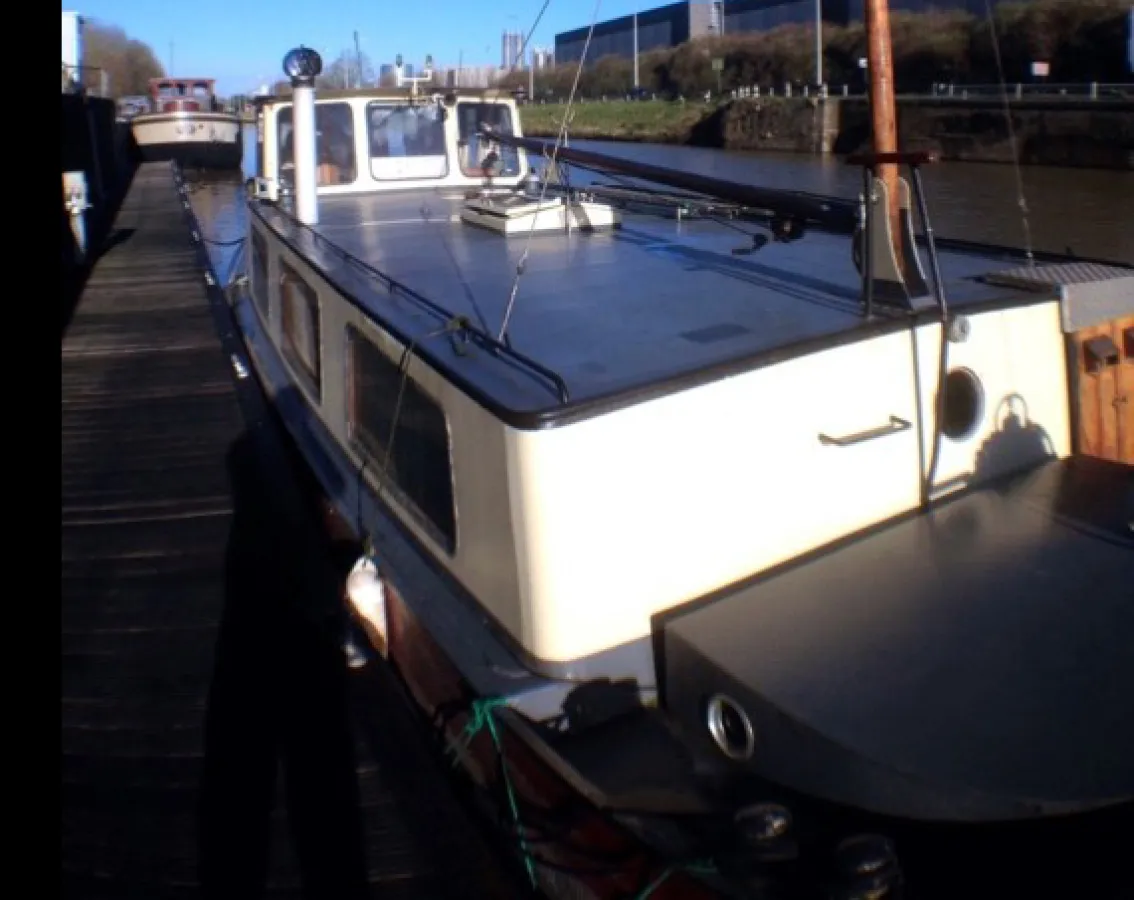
{"x": 582, "y": 850}
{"x": 196, "y": 155}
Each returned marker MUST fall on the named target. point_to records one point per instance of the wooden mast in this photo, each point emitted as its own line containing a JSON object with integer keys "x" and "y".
{"x": 880, "y": 68}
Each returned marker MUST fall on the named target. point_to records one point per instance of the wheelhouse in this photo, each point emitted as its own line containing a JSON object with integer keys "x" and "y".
{"x": 380, "y": 140}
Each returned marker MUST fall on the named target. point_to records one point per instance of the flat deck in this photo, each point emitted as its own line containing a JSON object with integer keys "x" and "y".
{"x": 609, "y": 311}
{"x": 211, "y": 737}
{"x": 982, "y": 648}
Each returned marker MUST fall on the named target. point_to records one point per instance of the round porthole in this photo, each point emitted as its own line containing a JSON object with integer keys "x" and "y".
{"x": 964, "y": 404}
{"x": 730, "y": 727}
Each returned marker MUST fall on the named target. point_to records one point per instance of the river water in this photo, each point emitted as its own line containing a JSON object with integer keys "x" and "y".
{"x": 1087, "y": 211}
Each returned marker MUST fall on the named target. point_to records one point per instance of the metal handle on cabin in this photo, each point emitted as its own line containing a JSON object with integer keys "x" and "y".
{"x": 892, "y": 427}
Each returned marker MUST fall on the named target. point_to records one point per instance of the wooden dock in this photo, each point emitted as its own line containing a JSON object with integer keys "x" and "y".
{"x": 213, "y": 741}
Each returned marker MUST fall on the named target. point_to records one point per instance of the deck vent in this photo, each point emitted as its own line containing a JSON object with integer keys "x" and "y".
{"x": 730, "y": 728}
{"x": 519, "y": 214}
{"x": 713, "y": 333}
{"x": 1100, "y": 352}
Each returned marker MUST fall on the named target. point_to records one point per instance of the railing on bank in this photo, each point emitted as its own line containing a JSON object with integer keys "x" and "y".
{"x": 1092, "y": 90}
{"x": 1017, "y": 91}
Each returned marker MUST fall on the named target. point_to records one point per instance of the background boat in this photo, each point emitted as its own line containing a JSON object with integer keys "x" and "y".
{"x": 186, "y": 124}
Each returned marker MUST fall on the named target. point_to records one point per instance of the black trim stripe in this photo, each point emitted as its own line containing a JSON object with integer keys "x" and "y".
{"x": 588, "y": 407}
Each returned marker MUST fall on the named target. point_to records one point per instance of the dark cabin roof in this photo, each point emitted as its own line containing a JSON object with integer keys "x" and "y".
{"x": 654, "y": 306}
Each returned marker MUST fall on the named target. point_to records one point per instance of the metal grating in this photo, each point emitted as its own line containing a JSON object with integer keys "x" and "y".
{"x": 1089, "y": 293}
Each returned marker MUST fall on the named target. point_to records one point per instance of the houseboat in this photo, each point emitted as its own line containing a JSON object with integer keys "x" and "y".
{"x": 186, "y": 123}
{"x": 801, "y": 556}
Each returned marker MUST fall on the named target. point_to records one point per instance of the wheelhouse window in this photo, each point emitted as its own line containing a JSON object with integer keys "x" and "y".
{"x": 185, "y": 96}
{"x": 260, "y": 272}
{"x": 474, "y": 151}
{"x": 419, "y": 471}
{"x": 406, "y": 141}
{"x": 334, "y": 143}
{"x": 299, "y": 318}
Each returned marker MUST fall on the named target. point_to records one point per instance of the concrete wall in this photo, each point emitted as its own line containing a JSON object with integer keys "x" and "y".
{"x": 1083, "y": 133}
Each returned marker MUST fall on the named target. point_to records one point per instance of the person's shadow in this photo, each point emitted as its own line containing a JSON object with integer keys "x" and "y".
{"x": 277, "y": 706}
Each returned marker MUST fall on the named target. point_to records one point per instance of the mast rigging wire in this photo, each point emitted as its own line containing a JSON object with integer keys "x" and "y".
{"x": 560, "y": 137}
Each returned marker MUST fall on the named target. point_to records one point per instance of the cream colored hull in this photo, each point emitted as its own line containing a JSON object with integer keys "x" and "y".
{"x": 192, "y": 138}
{"x": 574, "y": 537}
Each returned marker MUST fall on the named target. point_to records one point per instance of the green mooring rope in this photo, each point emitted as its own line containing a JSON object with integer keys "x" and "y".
{"x": 704, "y": 867}
{"x": 481, "y": 717}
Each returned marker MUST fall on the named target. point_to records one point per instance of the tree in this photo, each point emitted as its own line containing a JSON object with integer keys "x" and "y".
{"x": 129, "y": 64}
{"x": 347, "y": 71}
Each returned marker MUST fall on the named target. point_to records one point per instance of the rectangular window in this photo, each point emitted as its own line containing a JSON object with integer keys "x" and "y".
{"x": 299, "y": 317}
{"x": 334, "y": 143}
{"x": 406, "y": 141}
{"x": 419, "y": 469}
{"x": 260, "y": 272}
{"x": 473, "y": 150}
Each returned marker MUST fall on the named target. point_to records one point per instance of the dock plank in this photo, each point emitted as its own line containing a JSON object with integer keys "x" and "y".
{"x": 210, "y": 740}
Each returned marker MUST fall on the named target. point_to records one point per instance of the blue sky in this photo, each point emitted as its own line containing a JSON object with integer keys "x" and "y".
{"x": 242, "y": 42}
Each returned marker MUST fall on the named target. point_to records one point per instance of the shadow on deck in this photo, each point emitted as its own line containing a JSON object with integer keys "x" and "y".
{"x": 210, "y": 729}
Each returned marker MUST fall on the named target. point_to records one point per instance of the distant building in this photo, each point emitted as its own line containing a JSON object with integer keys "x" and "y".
{"x": 543, "y": 57}
{"x": 511, "y": 46}
{"x": 72, "y": 39}
{"x": 658, "y": 28}
{"x": 471, "y": 77}
{"x": 667, "y": 26}
{"x": 72, "y": 51}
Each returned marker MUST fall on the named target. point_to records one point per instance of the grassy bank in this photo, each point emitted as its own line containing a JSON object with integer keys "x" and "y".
{"x": 654, "y": 121}
{"x": 1053, "y": 133}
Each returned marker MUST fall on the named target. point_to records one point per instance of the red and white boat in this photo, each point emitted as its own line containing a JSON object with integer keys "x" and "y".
{"x": 186, "y": 123}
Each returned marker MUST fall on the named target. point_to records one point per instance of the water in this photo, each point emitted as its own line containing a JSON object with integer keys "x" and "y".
{"x": 1086, "y": 211}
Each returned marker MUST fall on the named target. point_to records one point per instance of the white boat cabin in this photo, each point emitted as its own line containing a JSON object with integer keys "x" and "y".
{"x": 370, "y": 140}
{"x": 717, "y": 416}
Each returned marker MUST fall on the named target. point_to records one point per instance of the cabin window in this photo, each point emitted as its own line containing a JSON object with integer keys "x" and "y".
{"x": 180, "y": 96}
{"x": 406, "y": 141}
{"x": 299, "y": 318}
{"x": 473, "y": 150}
{"x": 419, "y": 471}
{"x": 334, "y": 143}
{"x": 260, "y": 272}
